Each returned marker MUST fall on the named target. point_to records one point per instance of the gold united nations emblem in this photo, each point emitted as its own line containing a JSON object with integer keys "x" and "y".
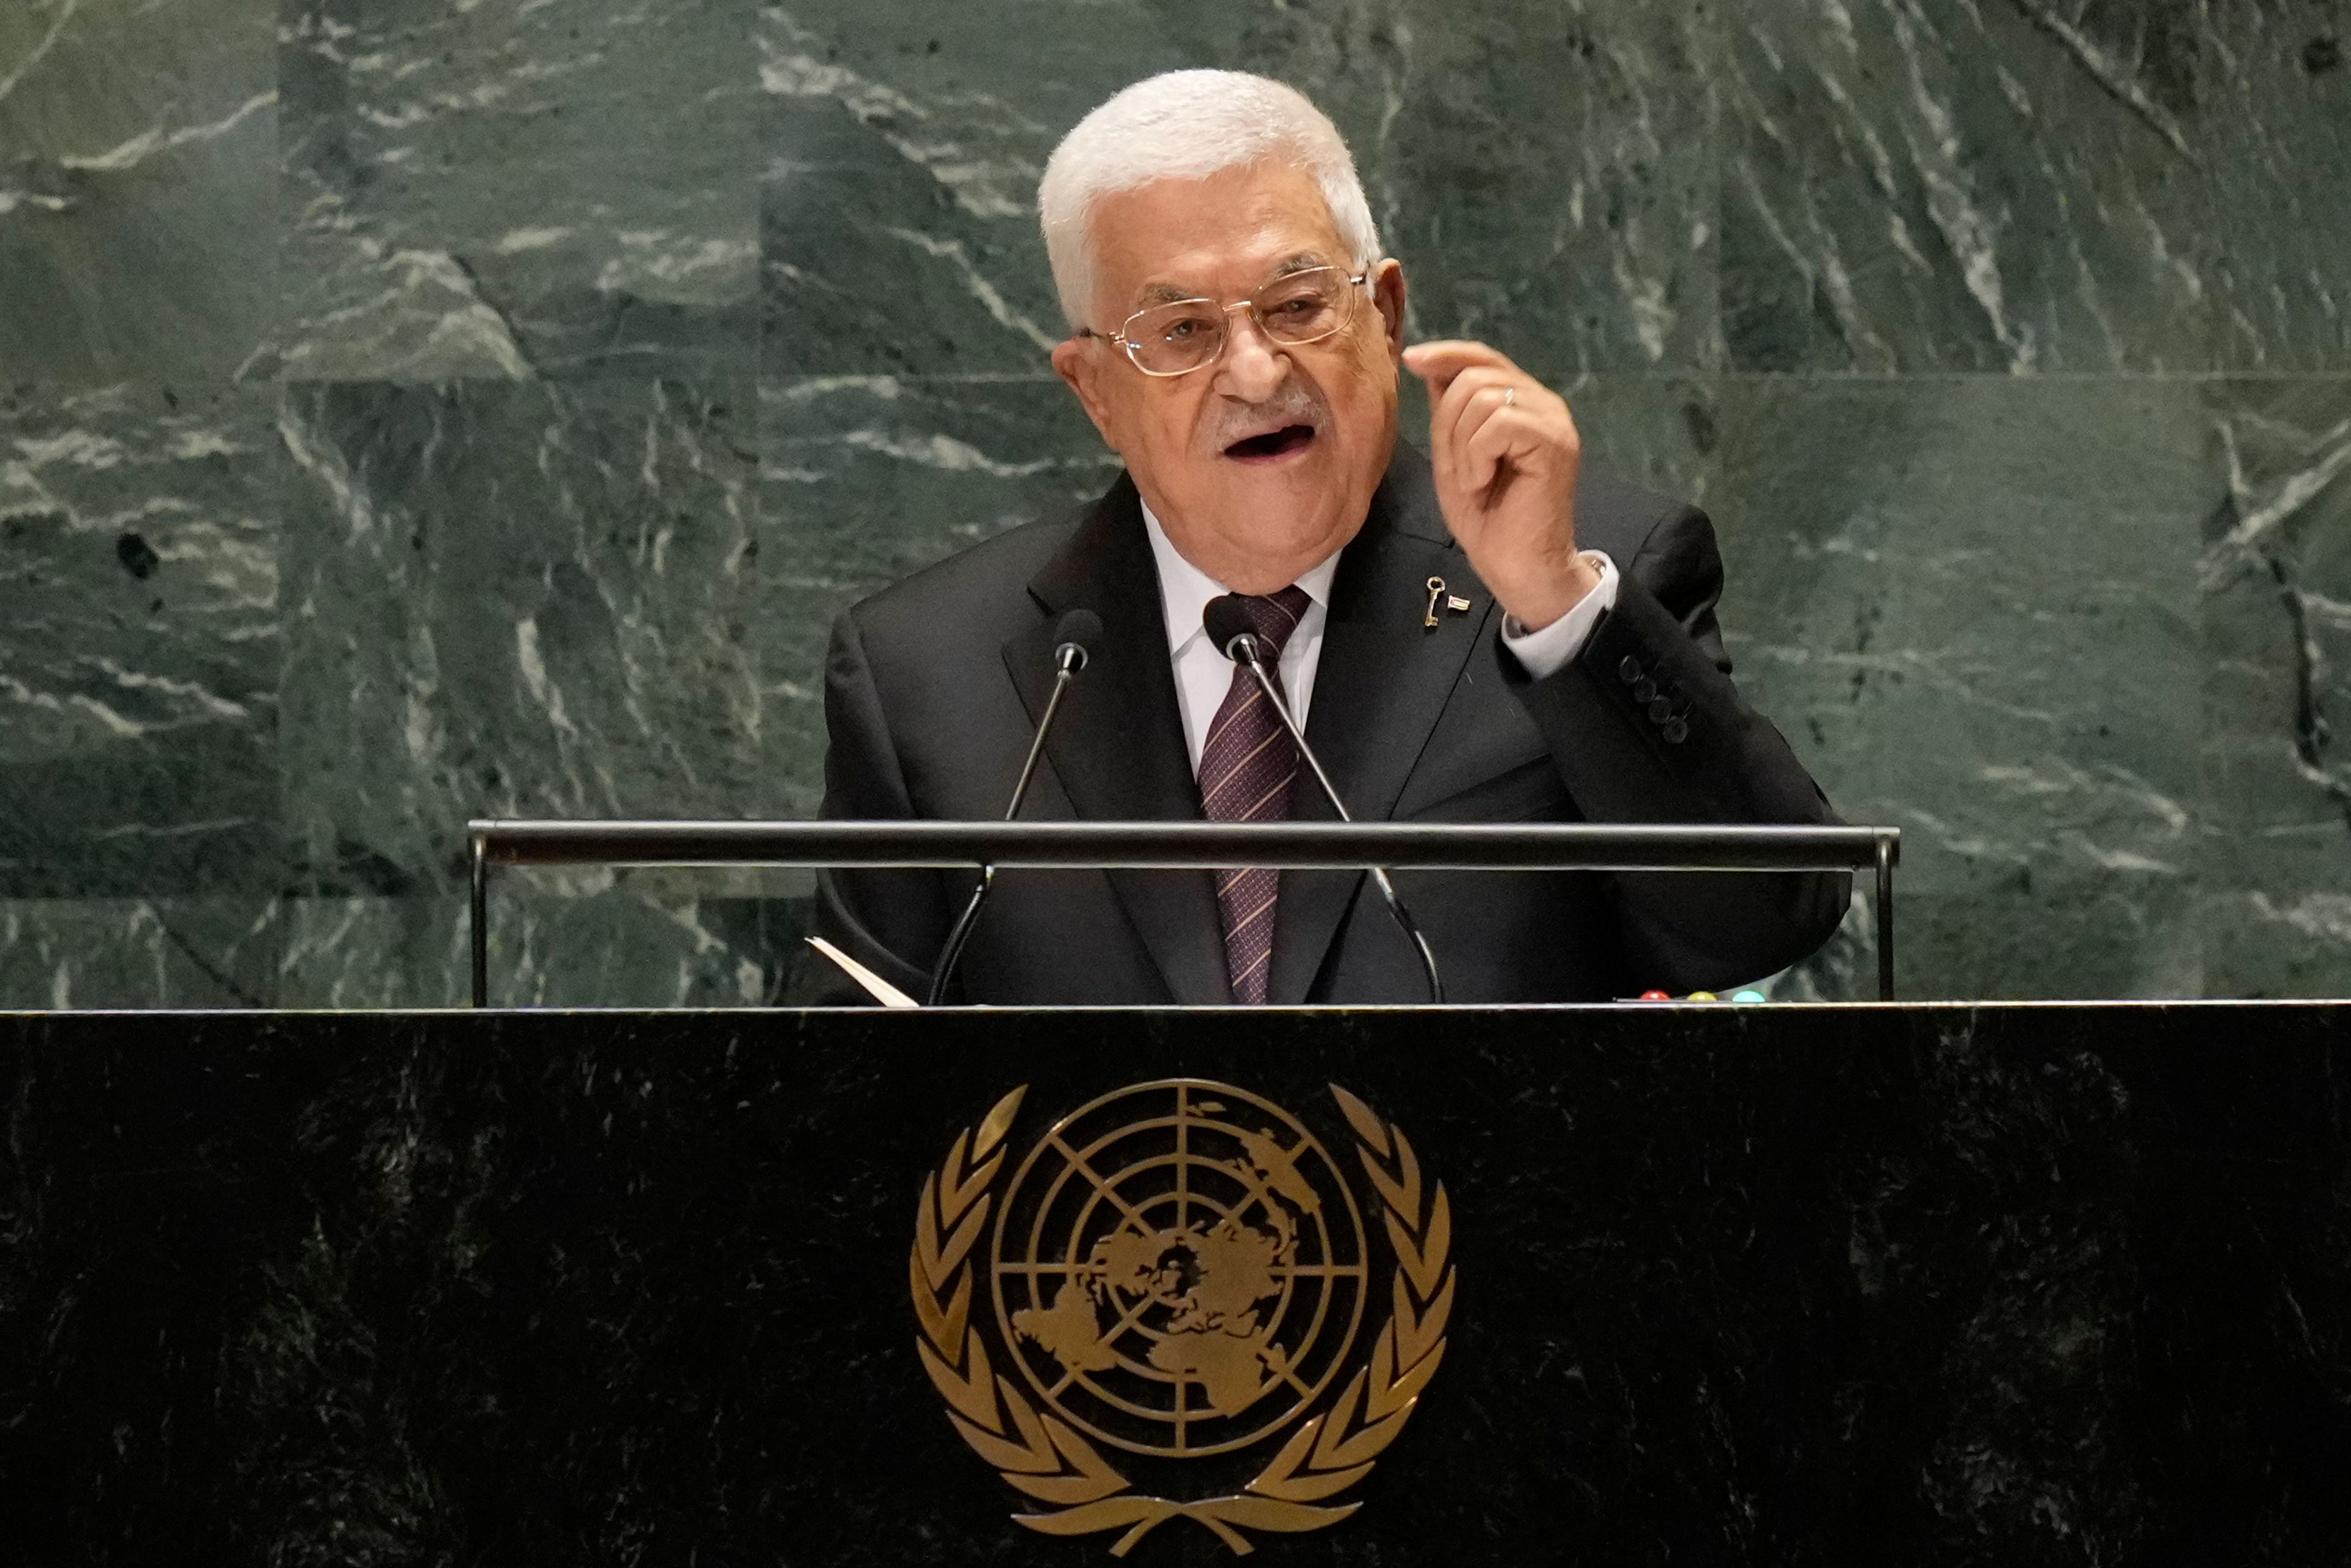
{"x": 1180, "y": 1271}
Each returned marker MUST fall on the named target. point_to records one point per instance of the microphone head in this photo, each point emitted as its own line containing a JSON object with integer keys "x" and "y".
{"x": 1076, "y": 635}
{"x": 1227, "y": 622}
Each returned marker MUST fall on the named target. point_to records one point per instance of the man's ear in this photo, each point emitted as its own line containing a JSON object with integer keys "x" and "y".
{"x": 1075, "y": 363}
{"x": 1388, "y": 289}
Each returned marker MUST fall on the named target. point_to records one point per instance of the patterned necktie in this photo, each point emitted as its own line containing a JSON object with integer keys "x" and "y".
{"x": 1245, "y": 769}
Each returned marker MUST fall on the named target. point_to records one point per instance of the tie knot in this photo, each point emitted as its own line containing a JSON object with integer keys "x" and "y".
{"x": 1274, "y": 616}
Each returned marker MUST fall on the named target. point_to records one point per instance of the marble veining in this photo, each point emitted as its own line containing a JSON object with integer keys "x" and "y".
{"x": 139, "y": 643}
{"x": 898, "y": 184}
{"x": 138, "y": 186}
{"x": 1928, "y": 616}
{"x": 174, "y": 952}
{"x": 2277, "y": 79}
{"x": 555, "y": 618}
{"x": 2276, "y": 578}
{"x": 866, "y": 478}
{"x": 1969, "y": 186}
{"x": 595, "y": 939}
{"x": 509, "y": 190}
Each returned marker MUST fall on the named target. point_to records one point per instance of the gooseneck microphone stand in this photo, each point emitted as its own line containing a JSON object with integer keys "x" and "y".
{"x": 1078, "y": 631}
{"x": 1229, "y": 629}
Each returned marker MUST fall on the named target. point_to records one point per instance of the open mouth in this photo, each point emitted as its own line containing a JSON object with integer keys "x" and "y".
{"x": 1273, "y": 444}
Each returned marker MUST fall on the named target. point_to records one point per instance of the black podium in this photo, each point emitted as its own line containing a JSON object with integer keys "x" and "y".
{"x": 2055, "y": 1284}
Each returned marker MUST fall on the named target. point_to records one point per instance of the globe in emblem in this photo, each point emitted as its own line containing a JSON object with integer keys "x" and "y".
{"x": 1179, "y": 1268}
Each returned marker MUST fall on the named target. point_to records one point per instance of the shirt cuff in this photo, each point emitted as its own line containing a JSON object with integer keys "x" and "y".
{"x": 1547, "y": 651}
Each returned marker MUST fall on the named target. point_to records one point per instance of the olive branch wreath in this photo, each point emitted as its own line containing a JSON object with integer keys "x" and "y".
{"x": 1045, "y": 1458}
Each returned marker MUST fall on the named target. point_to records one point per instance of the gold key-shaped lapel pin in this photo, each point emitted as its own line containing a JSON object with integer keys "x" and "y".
{"x": 1453, "y": 602}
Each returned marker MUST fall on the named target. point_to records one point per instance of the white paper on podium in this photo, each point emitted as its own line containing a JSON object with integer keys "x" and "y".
{"x": 879, "y": 990}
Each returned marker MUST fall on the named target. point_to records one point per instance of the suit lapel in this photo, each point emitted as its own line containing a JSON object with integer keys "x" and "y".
{"x": 1379, "y": 689}
{"x": 1117, "y": 746}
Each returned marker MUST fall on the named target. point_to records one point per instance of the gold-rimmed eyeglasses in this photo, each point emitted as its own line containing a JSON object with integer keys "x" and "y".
{"x": 1186, "y": 335}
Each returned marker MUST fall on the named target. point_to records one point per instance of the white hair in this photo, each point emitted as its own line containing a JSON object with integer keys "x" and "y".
{"x": 1188, "y": 125}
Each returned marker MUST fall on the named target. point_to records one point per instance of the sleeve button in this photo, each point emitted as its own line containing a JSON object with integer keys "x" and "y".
{"x": 1644, "y": 691}
{"x": 1660, "y": 711}
{"x": 1677, "y": 732}
{"x": 1629, "y": 669}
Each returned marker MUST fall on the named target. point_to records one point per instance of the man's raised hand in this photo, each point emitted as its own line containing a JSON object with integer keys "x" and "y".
{"x": 1506, "y": 453}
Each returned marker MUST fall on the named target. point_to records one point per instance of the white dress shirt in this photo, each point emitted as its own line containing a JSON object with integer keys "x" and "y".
{"x": 1203, "y": 675}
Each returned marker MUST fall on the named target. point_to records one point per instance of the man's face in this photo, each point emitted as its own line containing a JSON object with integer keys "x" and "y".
{"x": 1264, "y": 462}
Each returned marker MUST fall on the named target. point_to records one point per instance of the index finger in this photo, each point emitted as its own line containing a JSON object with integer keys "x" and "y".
{"x": 1440, "y": 360}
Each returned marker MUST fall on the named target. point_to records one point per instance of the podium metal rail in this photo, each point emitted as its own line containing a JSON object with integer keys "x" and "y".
{"x": 1186, "y": 845}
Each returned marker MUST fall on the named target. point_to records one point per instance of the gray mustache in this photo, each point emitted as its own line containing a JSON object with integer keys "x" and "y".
{"x": 1297, "y": 406}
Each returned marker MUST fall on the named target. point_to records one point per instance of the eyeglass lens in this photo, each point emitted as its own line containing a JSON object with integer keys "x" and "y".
{"x": 1298, "y": 307}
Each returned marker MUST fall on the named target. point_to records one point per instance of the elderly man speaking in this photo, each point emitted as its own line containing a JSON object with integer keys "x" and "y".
{"x": 1488, "y": 633}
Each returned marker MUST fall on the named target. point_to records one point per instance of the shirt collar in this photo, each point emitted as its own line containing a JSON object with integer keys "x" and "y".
{"x": 1184, "y": 589}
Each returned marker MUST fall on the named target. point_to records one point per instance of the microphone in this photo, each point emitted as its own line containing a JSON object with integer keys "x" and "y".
{"x": 1230, "y": 630}
{"x": 1076, "y": 635}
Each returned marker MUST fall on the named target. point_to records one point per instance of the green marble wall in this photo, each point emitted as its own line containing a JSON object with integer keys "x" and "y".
{"x": 415, "y": 409}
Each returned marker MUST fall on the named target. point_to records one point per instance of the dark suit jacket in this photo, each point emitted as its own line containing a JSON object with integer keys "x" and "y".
{"x": 933, "y": 687}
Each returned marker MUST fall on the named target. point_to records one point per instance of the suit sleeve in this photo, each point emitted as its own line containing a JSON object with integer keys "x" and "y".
{"x": 893, "y": 922}
{"x": 1645, "y": 726}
